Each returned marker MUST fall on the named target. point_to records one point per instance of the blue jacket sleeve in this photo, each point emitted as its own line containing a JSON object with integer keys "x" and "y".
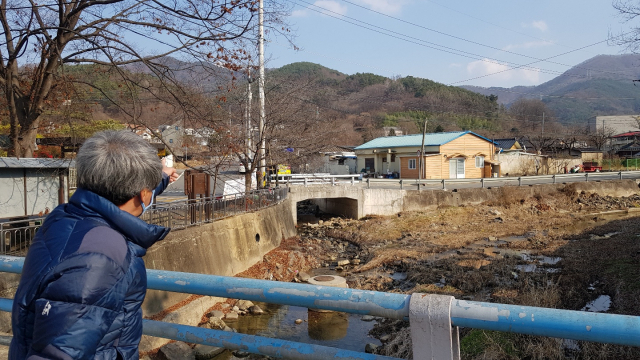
{"x": 163, "y": 184}
{"x": 80, "y": 299}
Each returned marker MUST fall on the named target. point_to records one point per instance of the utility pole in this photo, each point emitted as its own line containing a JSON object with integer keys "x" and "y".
{"x": 260, "y": 176}
{"x": 421, "y": 166}
{"x": 247, "y": 117}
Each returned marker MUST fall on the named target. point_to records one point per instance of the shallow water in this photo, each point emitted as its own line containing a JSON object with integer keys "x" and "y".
{"x": 334, "y": 329}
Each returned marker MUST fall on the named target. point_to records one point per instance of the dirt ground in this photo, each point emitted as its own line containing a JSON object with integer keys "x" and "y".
{"x": 558, "y": 251}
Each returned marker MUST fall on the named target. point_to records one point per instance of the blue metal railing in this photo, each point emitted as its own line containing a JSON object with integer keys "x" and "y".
{"x": 577, "y": 325}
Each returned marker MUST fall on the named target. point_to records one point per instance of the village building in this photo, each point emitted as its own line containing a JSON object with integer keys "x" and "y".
{"x": 447, "y": 155}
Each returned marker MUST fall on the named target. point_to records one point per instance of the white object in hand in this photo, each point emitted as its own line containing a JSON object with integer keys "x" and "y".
{"x": 168, "y": 161}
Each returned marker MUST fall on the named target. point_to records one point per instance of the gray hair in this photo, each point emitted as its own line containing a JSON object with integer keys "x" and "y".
{"x": 117, "y": 165}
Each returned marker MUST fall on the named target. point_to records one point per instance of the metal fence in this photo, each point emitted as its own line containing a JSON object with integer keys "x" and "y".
{"x": 434, "y": 319}
{"x": 184, "y": 213}
{"x": 15, "y": 236}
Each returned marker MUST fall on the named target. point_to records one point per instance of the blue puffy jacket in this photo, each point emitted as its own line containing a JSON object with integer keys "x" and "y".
{"x": 83, "y": 283}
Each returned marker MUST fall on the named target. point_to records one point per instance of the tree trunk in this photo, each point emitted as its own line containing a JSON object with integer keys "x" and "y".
{"x": 25, "y": 144}
{"x": 247, "y": 180}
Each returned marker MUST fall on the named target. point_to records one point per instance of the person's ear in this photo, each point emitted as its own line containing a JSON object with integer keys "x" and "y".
{"x": 145, "y": 196}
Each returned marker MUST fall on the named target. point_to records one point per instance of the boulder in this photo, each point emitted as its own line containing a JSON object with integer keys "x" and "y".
{"x": 231, "y": 316}
{"x": 256, "y": 310}
{"x": 216, "y": 323}
{"x": 205, "y": 352}
{"x": 370, "y": 348}
{"x": 176, "y": 351}
{"x": 244, "y": 304}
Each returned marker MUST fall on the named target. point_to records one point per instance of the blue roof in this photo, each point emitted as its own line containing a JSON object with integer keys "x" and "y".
{"x": 432, "y": 139}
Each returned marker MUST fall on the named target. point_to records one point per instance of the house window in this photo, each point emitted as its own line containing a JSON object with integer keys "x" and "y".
{"x": 393, "y": 157}
{"x": 170, "y": 141}
{"x": 479, "y": 161}
{"x": 412, "y": 164}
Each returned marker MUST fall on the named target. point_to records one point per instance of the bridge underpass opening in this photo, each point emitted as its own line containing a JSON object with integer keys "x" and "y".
{"x": 344, "y": 207}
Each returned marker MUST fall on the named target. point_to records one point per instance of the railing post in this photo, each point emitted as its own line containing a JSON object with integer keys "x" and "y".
{"x": 432, "y": 335}
{"x": 401, "y": 184}
{"x": 482, "y": 183}
{"x": 620, "y": 173}
{"x": 519, "y": 181}
{"x": 443, "y": 185}
{"x": 586, "y": 177}
{"x": 353, "y": 180}
{"x": 305, "y": 182}
{"x": 368, "y": 183}
{"x": 333, "y": 181}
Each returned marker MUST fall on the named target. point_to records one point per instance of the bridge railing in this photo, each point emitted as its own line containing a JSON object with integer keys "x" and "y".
{"x": 356, "y": 179}
{"x": 434, "y": 319}
{"x": 502, "y": 181}
{"x": 15, "y": 236}
{"x": 189, "y": 212}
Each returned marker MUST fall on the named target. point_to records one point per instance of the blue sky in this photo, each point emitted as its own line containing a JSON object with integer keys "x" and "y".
{"x": 480, "y": 42}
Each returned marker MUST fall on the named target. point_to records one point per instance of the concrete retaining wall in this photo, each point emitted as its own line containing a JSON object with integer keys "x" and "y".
{"x": 225, "y": 247}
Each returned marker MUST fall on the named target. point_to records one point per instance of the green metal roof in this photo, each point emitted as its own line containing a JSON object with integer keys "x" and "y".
{"x": 432, "y": 139}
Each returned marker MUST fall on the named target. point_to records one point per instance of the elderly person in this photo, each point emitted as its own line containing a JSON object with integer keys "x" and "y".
{"x": 84, "y": 279}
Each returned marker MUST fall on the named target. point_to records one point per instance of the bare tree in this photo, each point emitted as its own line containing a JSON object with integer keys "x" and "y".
{"x": 40, "y": 38}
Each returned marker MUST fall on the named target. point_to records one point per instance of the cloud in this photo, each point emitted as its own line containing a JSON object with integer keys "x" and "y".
{"x": 333, "y": 6}
{"x": 502, "y": 74}
{"x": 529, "y": 45}
{"x": 385, "y": 6}
{"x": 540, "y": 25}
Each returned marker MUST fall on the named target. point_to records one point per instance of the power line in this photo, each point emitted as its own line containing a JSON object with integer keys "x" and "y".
{"x": 428, "y": 44}
{"x": 473, "y": 42}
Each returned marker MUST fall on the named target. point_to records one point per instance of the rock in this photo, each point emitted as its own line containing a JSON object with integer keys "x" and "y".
{"x": 176, "y": 351}
{"x": 241, "y": 354}
{"x": 495, "y": 212}
{"x": 298, "y": 321}
{"x": 304, "y": 276}
{"x": 235, "y": 308}
{"x": 367, "y": 318}
{"x": 231, "y": 316}
{"x": 226, "y": 306}
{"x": 216, "y": 313}
{"x": 256, "y": 310}
{"x": 493, "y": 238}
{"x": 205, "y": 352}
{"x": 343, "y": 262}
{"x": 244, "y": 304}
{"x": 385, "y": 338}
{"x": 339, "y": 268}
{"x": 355, "y": 261}
{"x": 370, "y": 348}
{"x": 216, "y": 323}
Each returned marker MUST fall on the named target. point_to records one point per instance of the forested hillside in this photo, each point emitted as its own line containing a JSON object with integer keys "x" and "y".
{"x": 603, "y": 85}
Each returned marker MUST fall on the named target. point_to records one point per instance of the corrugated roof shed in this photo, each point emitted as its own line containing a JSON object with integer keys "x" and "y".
{"x": 432, "y": 139}
{"x": 35, "y": 163}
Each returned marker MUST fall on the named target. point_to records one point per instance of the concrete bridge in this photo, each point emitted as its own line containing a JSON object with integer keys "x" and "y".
{"x": 356, "y": 200}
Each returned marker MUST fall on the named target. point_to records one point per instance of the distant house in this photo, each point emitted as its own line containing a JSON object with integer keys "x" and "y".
{"x": 339, "y": 160}
{"x": 31, "y": 187}
{"x": 448, "y": 155}
{"x": 172, "y": 135}
{"x": 630, "y": 150}
{"x": 507, "y": 144}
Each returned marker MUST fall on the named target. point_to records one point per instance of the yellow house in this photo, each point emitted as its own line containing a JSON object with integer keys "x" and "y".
{"x": 450, "y": 155}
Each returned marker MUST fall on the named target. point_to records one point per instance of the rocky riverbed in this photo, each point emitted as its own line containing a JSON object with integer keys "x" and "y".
{"x": 567, "y": 250}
